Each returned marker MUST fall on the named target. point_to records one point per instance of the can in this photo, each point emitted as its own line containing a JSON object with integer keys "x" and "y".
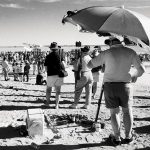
{"x": 73, "y": 119}
{"x": 97, "y": 127}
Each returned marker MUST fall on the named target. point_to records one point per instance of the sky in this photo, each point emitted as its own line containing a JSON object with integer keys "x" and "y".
{"x": 39, "y": 21}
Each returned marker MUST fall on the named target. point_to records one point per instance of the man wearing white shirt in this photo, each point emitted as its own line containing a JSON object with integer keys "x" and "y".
{"x": 86, "y": 80}
{"x": 118, "y": 90}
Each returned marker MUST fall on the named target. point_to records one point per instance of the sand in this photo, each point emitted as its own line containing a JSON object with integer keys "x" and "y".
{"x": 17, "y": 97}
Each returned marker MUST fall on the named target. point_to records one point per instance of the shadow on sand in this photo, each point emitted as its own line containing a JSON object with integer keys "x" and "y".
{"x": 8, "y": 132}
{"x": 141, "y": 97}
{"x": 143, "y": 129}
{"x": 58, "y": 147}
{"x": 142, "y": 119}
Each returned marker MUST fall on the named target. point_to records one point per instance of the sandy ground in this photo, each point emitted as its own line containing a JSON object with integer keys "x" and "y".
{"x": 17, "y": 97}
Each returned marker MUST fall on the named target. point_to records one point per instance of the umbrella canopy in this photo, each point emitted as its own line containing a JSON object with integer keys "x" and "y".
{"x": 107, "y": 20}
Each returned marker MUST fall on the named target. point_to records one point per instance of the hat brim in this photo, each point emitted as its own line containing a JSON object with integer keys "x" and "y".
{"x": 84, "y": 51}
{"x": 53, "y": 48}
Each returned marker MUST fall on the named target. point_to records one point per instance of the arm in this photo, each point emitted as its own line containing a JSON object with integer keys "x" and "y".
{"x": 96, "y": 61}
{"x": 90, "y": 64}
{"x": 45, "y": 68}
{"x": 139, "y": 69}
{"x": 139, "y": 72}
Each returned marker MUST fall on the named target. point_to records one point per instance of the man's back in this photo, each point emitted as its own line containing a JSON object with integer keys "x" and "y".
{"x": 53, "y": 63}
{"x": 118, "y": 61}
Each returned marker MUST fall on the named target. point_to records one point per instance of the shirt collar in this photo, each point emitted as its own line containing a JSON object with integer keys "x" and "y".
{"x": 117, "y": 45}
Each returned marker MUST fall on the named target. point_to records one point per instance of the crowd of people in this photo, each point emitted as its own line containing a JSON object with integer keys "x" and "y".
{"x": 115, "y": 63}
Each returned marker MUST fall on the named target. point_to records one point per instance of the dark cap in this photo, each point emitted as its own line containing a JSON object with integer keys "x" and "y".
{"x": 54, "y": 46}
{"x": 85, "y": 49}
{"x": 115, "y": 41}
{"x": 127, "y": 41}
{"x": 107, "y": 41}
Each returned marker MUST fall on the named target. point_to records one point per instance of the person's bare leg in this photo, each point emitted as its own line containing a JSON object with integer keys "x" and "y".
{"x": 115, "y": 122}
{"x": 94, "y": 89}
{"x": 128, "y": 121}
{"x": 88, "y": 91}
{"x": 48, "y": 94}
{"x": 58, "y": 88}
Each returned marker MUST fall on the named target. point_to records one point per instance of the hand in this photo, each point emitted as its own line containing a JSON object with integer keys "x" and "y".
{"x": 133, "y": 79}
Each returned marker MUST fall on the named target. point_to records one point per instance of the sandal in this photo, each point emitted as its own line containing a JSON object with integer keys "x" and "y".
{"x": 114, "y": 141}
{"x": 46, "y": 103}
{"x": 73, "y": 106}
{"x": 86, "y": 106}
{"x": 128, "y": 140}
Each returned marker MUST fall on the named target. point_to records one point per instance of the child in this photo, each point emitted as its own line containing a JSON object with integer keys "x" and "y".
{"x": 40, "y": 79}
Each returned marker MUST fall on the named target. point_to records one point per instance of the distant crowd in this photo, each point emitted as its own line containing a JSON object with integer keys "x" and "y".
{"x": 20, "y": 62}
{"x": 115, "y": 63}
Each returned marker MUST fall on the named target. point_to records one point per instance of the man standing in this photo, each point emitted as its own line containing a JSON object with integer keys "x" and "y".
{"x": 26, "y": 71}
{"x": 118, "y": 90}
{"x": 52, "y": 67}
{"x": 6, "y": 69}
{"x": 85, "y": 80}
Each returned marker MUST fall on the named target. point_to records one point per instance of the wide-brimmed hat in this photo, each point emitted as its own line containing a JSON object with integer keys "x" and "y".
{"x": 85, "y": 49}
{"x": 54, "y": 46}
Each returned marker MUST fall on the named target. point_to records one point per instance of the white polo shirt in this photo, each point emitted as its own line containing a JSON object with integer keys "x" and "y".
{"x": 118, "y": 61}
{"x": 85, "y": 61}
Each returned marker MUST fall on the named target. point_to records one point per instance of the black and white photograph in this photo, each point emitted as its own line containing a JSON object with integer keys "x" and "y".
{"x": 74, "y": 74}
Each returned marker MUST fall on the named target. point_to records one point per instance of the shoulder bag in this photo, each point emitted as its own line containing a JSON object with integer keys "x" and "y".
{"x": 62, "y": 72}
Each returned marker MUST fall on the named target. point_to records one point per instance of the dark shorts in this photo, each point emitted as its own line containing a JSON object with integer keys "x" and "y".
{"x": 118, "y": 94}
{"x": 21, "y": 73}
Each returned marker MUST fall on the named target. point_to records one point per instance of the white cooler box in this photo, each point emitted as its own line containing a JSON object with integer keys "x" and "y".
{"x": 35, "y": 122}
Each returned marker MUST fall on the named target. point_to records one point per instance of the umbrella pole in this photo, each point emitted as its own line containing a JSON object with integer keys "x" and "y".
{"x": 99, "y": 103}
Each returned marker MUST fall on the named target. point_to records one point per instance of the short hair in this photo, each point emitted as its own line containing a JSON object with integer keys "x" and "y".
{"x": 127, "y": 41}
{"x": 115, "y": 41}
{"x": 85, "y": 49}
{"x": 107, "y": 41}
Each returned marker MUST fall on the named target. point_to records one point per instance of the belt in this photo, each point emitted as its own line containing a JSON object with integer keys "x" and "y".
{"x": 118, "y": 82}
{"x": 85, "y": 71}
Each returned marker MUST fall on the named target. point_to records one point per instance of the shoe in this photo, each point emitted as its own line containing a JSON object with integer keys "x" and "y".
{"x": 46, "y": 103}
{"x": 56, "y": 107}
{"x": 93, "y": 97}
{"x": 7, "y": 79}
{"x": 128, "y": 140}
{"x": 73, "y": 106}
{"x": 114, "y": 141}
{"x": 86, "y": 106}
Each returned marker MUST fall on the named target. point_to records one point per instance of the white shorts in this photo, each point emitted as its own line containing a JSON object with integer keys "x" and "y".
{"x": 53, "y": 81}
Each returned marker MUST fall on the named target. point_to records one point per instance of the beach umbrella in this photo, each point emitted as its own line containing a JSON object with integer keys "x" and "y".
{"x": 108, "y": 20}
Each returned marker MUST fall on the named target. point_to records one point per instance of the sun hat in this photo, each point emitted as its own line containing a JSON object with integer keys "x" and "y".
{"x": 85, "y": 49}
{"x": 54, "y": 46}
